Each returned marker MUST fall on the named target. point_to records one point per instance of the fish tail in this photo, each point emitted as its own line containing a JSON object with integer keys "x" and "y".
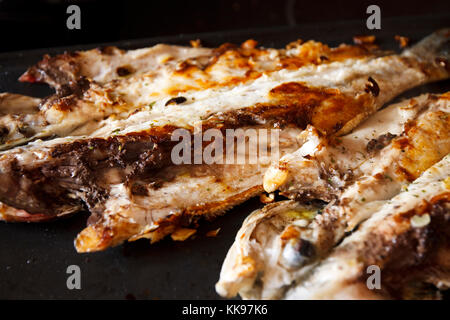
{"x": 434, "y": 52}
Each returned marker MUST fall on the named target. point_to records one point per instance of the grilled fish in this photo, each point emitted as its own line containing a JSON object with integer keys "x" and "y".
{"x": 356, "y": 174}
{"x": 176, "y": 197}
{"x": 109, "y": 82}
{"x": 407, "y": 239}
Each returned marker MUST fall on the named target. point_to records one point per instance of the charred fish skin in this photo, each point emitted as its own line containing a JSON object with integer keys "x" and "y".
{"x": 377, "y": 177}
{"x": 413, "y": 225}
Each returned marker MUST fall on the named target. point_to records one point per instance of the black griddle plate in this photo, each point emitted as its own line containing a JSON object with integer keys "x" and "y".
{"x": 34, "y": 257}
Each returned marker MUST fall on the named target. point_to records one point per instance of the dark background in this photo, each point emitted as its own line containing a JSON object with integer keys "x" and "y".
{"x": 42, "y": 23}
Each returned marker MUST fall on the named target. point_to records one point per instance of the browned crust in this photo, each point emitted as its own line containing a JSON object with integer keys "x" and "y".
{"x": 418, "y": 153}
{"x": 106, "y": 233}
{"x": 408, "y": 256}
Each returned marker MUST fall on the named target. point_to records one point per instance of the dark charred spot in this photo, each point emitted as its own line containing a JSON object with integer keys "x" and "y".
{"x": 372, "y": 87}
{"x": 67, "y": 94}
{"x": 64, "y": 90}
{"x": 26, "y": 130}
{"x": 402, "y": 143}
{"x": 156, "y": 184}
{"x": 76, "y": 88}
{"x": 323, "y": 58}
{"x": 3, "y": 134}
{"x": 338, "y": 126}
{"x": 83, "y": 84}
{"x": 306, "y": 248}
{"x": 379, "y": 143}
{"x": 139, "y": 189}
{"x": 53, "y": 70}
{"x": 124, "y": 71}
{"x": 176, "y": 100}
{"x": 74, "y": 54}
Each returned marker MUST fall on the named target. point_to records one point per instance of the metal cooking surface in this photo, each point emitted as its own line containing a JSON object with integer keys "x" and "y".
{"x": 34, "y": 257}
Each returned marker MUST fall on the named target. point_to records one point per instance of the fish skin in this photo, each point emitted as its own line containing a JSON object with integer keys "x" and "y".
{"x": 409, "y": 71}
{"x": 353, "y": 200}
